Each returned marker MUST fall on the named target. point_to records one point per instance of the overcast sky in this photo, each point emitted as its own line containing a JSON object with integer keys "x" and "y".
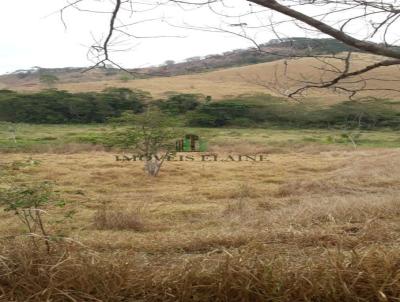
{"x": 32, "y": 34}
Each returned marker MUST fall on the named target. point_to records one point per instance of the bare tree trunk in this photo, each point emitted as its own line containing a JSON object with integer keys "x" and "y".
{"x": 153, "y": 164}
{"x": 152, "y": 167}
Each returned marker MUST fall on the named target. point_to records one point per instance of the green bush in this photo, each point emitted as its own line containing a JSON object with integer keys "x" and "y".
{"x": 180, "y": 103}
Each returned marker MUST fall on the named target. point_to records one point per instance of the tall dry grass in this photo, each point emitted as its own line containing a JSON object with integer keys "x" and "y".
{"x": 306, "y": 226}
{"x": 108, "y": 219}
{"x": 71, "y": 273}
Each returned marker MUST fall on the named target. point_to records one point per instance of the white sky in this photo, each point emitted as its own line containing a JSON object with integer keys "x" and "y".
{"x": 32, "y": 34}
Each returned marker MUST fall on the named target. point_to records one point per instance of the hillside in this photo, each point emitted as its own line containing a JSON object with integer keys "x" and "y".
{"x": 268, "y": 52}
{"x": 235, "y": 81}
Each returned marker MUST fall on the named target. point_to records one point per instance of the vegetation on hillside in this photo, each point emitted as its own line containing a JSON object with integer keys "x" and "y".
{"x": 264, "y": 111}
{"x": 55, "y": 107}
{"x": 195, "y": 110}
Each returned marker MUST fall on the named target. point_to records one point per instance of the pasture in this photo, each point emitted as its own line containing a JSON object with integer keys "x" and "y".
{"x": 317, "y": 220}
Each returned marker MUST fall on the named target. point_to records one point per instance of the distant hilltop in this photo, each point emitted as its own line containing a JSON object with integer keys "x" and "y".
{"x": 273, "y": 50}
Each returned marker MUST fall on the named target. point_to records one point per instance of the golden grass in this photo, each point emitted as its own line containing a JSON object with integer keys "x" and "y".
{"x": 316, "y": 224}
{"x": 109, "y": 219}
{"x": 232, "y": 82}
{"x": 247, "y": 275}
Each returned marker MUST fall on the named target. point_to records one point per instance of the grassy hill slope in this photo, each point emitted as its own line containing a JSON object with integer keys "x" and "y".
{"x": 267, "y": 77}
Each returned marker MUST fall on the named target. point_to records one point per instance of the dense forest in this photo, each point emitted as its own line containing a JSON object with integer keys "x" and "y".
{"x": 62, "y": 107}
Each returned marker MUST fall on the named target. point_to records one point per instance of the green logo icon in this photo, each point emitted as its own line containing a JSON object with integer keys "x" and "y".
{"x": 191, "y": 143}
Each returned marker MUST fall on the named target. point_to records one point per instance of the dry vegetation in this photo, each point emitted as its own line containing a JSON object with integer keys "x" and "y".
{"x": 316, "y": 224}
{"x": 234, "y": 81}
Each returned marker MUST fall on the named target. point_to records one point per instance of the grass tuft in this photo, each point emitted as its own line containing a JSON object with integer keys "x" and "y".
{"x": 107, "y": 219}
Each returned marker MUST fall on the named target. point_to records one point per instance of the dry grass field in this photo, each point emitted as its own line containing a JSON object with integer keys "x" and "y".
{"x": 239, "y": 80}
{"x": 311, "y": 223}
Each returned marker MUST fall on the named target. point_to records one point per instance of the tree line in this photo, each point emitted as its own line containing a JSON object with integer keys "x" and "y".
{"x": 57, "y": 107}
{"x": 195, "y": 110}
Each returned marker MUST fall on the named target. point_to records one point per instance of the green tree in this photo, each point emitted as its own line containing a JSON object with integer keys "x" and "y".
{"x": 180, "y": 103}
{"x": 149, "y": 133}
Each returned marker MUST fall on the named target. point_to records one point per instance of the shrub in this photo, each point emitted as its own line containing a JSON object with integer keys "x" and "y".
{"x": 28, "y": 202}
{"x": 180, "y": 103}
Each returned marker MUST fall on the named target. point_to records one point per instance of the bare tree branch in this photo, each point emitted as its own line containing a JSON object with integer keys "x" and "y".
{"x": 334, "y": 18}
{"x": 326, "y": 29}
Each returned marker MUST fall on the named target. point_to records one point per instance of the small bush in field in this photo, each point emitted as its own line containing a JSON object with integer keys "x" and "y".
{"x": 150, "y": 134}
{"x": 28, "y": 201}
